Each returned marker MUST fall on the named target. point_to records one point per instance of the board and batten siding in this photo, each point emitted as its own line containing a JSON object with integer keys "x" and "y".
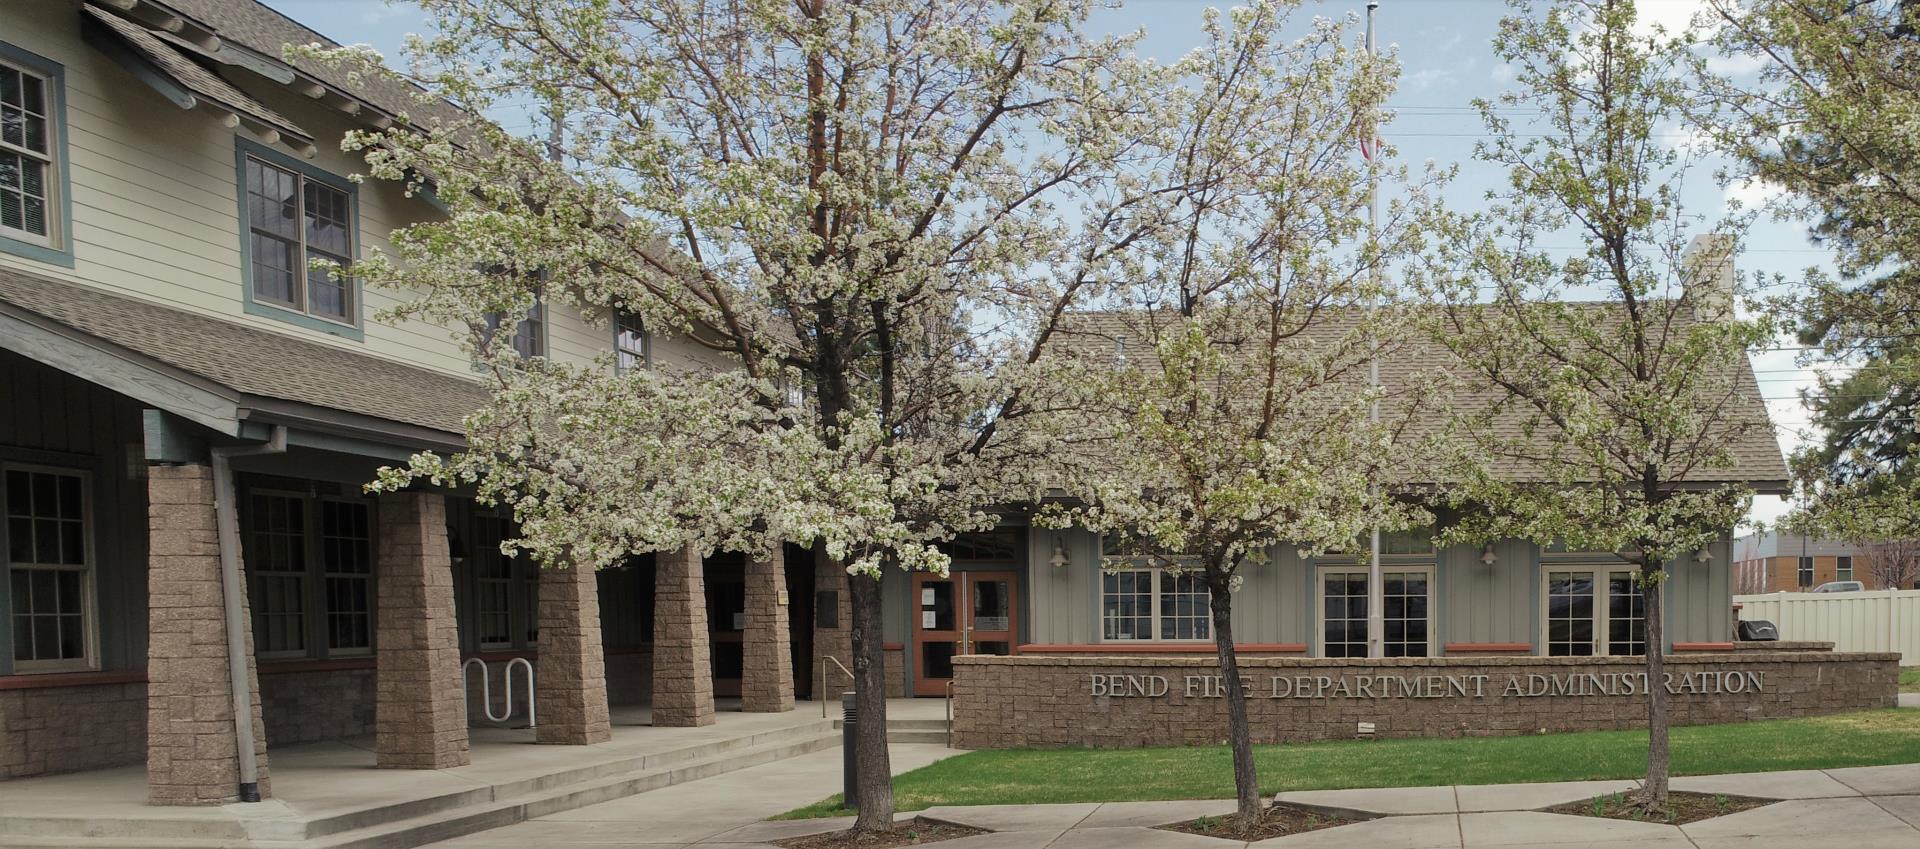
{"x": 1473, "y": 601}
{"x": 1482, "y": 603}
{"x": 155, "y": 204}
{"x": 55, "y": 419}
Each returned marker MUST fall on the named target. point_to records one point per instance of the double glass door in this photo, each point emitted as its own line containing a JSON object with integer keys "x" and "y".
{"x": 1406, "y": 619}
{"x": 1594, "y": 612}
{"x": 962, "y": 613}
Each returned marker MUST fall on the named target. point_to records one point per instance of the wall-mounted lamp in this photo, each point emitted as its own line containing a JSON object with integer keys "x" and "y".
{"x": 1059, "y": 560}
{"x": 1487, "y": 557}
{"x": 1703, "y": 556}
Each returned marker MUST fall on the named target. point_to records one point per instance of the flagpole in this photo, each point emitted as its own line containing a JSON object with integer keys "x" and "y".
{"x": 1376, "y": 588}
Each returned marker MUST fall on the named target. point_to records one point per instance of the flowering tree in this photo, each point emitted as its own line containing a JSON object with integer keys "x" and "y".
{"x": 871, "y": 214}
{"x": 1629, "y": 404}
{"x": 1226, "y": 387}
{"x": 1830, "y": 119}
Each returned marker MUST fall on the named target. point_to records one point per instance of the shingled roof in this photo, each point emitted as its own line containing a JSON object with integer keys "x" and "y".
{"x": 1756, "y": 454}
{"x": 257, "y": 27}
{"x": 252, "y": 361}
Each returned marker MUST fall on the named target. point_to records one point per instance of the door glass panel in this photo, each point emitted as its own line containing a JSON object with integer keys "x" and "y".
{"x": 1570, "y": 614}
{"x": 1404, "y": 604}
{"x": 991, "y": 606}
{"x": 936, "y": 659}
{"x": 1344, "y": 621}
{"x": 936, "y": 606}
{"x": 1626, "y": 615}
{"x": 994, "y": 647}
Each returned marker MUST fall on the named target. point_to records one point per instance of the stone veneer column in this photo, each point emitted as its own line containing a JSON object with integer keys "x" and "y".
{"x": 682, "y": 661}
{"x": 571, "y": 690}
{"x": 191, "y": 756}
{"x": 766, "y": 677}
{"x": 420, "y": 705}
{"x": 835, "y": 641}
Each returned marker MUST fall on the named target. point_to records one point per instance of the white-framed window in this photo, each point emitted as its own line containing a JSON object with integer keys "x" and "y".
{"x": 294, "y": 220}
{"x": 1592, "y": 611}
{"x": 346, "y": 566}
{"x": 29, "y": 174}
{"x": 1406, "y": 613}
{"x": 529, "y": 333}
{"x": 310, "y": 571}
{"x": 506, "y": 591}
{"x": 1141, "y": 601}
{"x": 632, "y": 347}
{"x": 1805, "y": 572}
{"x": 49, "y": 543}
{"x": 1843, "y": 568}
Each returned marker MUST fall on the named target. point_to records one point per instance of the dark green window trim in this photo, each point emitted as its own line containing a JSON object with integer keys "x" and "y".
{"x": 242, "y": 150}
{"x": 61, "y": 253}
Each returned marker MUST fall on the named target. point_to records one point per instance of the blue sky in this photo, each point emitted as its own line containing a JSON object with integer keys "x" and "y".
{"x": 1447, "y": 61}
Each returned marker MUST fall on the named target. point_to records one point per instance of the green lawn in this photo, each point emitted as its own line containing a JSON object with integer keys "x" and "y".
{"x": 1034, "y": 776}
{"x": 1910, "y": 679}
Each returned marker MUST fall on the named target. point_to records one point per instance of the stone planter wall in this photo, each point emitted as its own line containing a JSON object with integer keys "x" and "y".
{"x": 1027, "y": 701}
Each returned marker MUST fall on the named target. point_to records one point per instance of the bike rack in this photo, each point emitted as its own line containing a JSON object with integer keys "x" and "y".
{"x": 486, "y": 694}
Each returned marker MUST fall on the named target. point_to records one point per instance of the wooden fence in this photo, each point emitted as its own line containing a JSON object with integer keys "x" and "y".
{"x": 1874, "y": 620}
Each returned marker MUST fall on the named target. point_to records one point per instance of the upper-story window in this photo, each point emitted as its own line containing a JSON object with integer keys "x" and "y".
{"x": 33, "y": 218}
{"x": 632, "y": 347}
{"x": 530, "y": 334}
{"x": 299, "y": 238}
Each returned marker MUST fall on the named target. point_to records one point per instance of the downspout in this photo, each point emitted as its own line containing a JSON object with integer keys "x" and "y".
{"x": 233, "y": 588}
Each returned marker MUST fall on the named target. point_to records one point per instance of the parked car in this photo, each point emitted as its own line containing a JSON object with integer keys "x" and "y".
{"x": 1840, "y": 587}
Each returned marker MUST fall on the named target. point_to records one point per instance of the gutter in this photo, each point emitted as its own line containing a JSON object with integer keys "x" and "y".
{"x": 233, "y": 588}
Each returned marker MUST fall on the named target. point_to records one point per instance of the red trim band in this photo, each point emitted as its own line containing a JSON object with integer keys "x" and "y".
{"x": 893, "y": 646}
{"x": 1703, "y": 647}
{"x": 275, "y": 667}
{"x": 49, "y": 680}
{"x": 1487, "y": 648}
{"x": 1156, "y": 648}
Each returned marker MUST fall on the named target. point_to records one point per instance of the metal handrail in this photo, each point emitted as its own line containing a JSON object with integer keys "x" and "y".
{"x": 949, "y": 713}
{"x": 486, "y": 694}
{"x": 823, "y": 679}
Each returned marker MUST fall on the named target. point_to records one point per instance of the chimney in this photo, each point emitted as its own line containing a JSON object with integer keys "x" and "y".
{"x": 1707, "y": 267}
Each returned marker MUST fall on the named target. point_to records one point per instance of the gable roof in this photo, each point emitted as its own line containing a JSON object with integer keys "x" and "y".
{"x": 1757, "y": 460}
{"x": 251, "y": 364}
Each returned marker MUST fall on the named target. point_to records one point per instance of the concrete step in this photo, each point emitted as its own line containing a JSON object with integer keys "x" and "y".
{"x": 448, "y": 824}
{"x": 912, "y": 730}
{"x": 435, "y": 817}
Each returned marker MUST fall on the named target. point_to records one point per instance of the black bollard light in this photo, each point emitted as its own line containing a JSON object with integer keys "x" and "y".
{"x": 849, "y": 753}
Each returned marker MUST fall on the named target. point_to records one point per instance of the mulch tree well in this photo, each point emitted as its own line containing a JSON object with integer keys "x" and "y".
{"x": 915, "y": 832}
{"x": 1278, "y": 820}
{"x": 1682, "y": 807}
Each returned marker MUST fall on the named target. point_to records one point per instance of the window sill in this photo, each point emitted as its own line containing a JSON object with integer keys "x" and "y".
{"x": 1156, "y": 647}
{"x": 51, "y": 679}
{"x": 300, "y": 319}
{"x": 37, "y": 252}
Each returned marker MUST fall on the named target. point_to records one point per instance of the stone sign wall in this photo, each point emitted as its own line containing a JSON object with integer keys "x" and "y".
{"x": 1005, "y": 702}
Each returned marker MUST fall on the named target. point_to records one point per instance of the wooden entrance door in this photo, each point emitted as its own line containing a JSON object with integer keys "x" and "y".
{"x": 962, "y": 613}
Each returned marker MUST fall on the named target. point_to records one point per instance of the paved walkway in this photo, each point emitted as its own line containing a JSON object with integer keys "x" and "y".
{"x": 1857, "y": 808}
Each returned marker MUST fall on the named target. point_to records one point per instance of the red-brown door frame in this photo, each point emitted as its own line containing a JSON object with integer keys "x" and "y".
{"x": 962, "y": 635}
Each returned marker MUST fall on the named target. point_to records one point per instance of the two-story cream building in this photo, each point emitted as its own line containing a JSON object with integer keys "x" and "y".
{"x": 186, "y": 410}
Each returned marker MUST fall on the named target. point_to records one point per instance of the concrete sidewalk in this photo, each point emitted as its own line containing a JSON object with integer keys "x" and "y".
{"x": 1857, "y": 808}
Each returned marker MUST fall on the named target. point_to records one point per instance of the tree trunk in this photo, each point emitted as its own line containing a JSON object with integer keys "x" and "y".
{"x": 1246, "y": 781}
{"x": 1659, "y": 754}
{"x": 875, "y": 773}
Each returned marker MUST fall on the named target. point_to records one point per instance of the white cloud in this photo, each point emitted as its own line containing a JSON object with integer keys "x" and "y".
{"x": 1737, "y": 65}
{"x": 1502, "y": 72}
{"x": 1753, "y": 193}
{"x": 1674, "y": 16}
